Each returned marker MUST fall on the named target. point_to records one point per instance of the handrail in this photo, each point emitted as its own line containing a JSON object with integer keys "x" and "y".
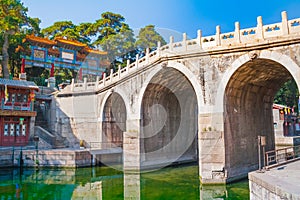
{"x": 281, "y": 156}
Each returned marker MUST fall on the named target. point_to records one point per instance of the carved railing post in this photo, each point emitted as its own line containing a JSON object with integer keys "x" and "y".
{"x": 137, "y": 60}
{"x": 104, "y": 78}
{"x": 72, "y": 84}
{"x": 237, "y": 32}
{"x": 184, "y": 38}
{"x": 158, "y": 48}
{"x": 199, "y": 38}
{"x": 84, "y": 83}
{"x": 218, "y": 35}
{"x": 171, "y": 43}
{"x": 147, "y": 55}
{"x": 285, "y": 25}
{"x": 97, "y": 82}
{"x": 119, "y": 71}
{"x": 111, "y": 74}
{"x": 259, "y": 30}
{"x": 127, "y": 66}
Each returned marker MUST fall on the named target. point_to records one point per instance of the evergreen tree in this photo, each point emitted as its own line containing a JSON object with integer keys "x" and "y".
{"x": 148, "y": 38}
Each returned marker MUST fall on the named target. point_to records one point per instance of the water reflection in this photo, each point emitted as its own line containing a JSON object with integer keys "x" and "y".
{"x": 106, "y": 183}
{"x": 132, "y": 186}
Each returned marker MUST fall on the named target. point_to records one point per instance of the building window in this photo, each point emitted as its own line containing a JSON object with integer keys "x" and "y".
{"x": 13, "y": 97}
{"x": 23, "y": 129}
{"x": 25, "y": 98}
{"x": 17, "y": 129}
{"x": 12, "y": 130}
{"x": 5, "y": 129}
{"x": 19, "y": 98}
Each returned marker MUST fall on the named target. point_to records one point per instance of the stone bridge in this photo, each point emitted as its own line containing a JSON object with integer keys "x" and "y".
{"x": 205, "y": 99}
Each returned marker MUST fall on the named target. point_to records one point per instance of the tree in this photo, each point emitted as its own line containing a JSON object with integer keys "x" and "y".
{"x": 58, "y": 29}
{"x": 120, "y": 46}
{"x": 148, "y": 38}
{"x": 288, "y": 94}
{"x": 109, "y": 24}
{"x": 13, "y": 16}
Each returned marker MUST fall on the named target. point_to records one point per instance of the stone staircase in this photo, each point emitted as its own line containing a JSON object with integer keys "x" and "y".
{"x": 42, "y": 128}
{"x": 57, "y": 142}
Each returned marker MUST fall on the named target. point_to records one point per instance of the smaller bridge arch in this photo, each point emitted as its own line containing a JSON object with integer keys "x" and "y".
{"x": 113, "y": 116}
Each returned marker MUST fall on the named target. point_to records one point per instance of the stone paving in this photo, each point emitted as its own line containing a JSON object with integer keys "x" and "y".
{"x": 282, "y": 182}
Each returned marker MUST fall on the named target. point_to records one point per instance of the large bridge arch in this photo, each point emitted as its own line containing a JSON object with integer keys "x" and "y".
{"x": 168, "y": 104}
{"x": 280, "y": 58}
{"x": 247, "y": 94}
{"x": 182, "y": 69}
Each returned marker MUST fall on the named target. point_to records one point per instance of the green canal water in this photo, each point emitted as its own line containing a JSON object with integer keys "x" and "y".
{"x": 108, "y": 184}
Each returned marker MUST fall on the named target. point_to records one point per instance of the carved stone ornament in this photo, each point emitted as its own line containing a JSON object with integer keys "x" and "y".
{"x": 253, "y": 55}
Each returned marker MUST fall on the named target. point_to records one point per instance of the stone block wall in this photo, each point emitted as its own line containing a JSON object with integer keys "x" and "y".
{"x": 46, "y": 158}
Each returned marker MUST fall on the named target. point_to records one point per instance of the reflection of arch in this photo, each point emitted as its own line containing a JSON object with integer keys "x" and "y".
{"x": 113, "y": 118}
{"x": 248, "y": 89}
{"x": 169, "y": 117}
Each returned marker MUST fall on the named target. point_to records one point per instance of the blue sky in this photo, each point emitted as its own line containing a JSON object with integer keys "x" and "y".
{"x": 178, "y": 16}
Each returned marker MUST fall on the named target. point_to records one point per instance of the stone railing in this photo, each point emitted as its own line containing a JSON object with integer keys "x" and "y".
{"x": 281, "y": 156}
{"x": 220, "y": 40}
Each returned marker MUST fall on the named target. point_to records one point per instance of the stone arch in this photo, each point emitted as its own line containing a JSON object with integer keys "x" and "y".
{"x": 247, "y": 91}
{"x": 168, "y": 106}
{"x": 280, "y": 58}
{"x": 113, "y": 116}
{"x": 104, "y": 100}
{"x": 181, "y": 68}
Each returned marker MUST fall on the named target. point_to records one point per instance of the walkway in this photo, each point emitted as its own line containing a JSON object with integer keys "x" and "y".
{"x": 278, "y": 183}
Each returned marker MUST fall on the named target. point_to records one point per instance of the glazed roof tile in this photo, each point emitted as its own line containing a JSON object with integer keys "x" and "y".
{"x": 19, "y": 83}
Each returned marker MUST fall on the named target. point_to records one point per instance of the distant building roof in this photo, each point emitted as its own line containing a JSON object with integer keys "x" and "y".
{"x": 278, "y": 106}
{"x": 19, "y": 84}
{"x": 43, "y": 97}
{"x": 39, "y": 40}
{"x": 62, "y": 41}
{"x": 59, "y": 41}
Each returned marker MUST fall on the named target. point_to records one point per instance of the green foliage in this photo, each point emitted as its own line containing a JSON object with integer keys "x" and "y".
{"x": 120, "y": 46}
{"x": 148, "y": 38}
{"x": 109, "y": 24}
{"x": 14, "y": 24}
{"x": 58, "y": 29}
{"x": 288, "y": 94}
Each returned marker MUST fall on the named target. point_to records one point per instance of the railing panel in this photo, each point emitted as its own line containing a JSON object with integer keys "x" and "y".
{"x": 282, "y": 156}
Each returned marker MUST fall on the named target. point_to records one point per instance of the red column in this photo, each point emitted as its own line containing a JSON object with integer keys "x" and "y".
{"x": 23, "y": 66}
{"x": 52, "y": 70}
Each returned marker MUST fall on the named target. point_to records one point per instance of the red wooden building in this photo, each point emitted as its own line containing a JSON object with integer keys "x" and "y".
{"x": 16, "y": 111}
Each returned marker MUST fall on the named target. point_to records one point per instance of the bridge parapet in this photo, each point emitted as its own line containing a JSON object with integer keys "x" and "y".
{"x": 220, "y": 41}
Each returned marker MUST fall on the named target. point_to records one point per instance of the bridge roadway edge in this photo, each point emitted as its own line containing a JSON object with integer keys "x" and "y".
{"x": 242, "y": 48}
